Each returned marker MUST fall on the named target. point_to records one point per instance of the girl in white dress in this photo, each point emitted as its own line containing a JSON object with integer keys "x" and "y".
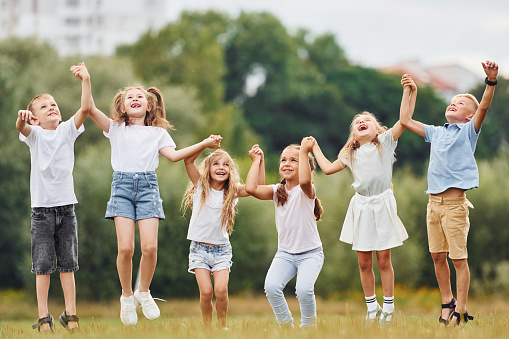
{"x": 371, "y": 222}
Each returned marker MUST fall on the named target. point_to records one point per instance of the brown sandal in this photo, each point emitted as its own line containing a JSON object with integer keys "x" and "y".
{"x": 48, "y": 319}
{"x": 452, "y": 306}
{"x": 64, "y": 320}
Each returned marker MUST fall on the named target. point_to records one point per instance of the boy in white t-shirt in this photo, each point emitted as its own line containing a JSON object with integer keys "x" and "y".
{"x": 53, "y": 221}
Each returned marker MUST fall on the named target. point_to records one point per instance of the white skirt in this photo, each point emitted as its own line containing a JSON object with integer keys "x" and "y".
{"x": 372, "y": 223}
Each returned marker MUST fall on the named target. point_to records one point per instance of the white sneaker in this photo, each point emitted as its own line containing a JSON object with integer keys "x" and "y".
{"x": 386, "y": 317}
{"x": 148, "y": 305}
{"x": 372, "y": 316}
{"x": 128, "y": 314}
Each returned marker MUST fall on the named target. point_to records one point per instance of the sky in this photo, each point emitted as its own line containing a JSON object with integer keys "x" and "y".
{"x": 382, "y": 33}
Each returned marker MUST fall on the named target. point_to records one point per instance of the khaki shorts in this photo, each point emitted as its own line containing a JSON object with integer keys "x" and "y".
{"x": 448, "y": 225}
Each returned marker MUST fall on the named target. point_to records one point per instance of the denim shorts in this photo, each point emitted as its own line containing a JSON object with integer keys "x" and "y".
{"x": 135, "y": 195}
{"x": 210, "y": 257}
{"x": 54, "y": 231}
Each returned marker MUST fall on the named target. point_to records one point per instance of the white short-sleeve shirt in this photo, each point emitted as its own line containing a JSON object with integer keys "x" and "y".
{"x": 136, "y": 148}
{"x": 296, "y": 223}
{"x": 372, "y": 168}
{"x": 52, "y": 163}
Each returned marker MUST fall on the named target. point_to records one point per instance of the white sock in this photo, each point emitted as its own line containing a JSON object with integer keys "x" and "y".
{"x": 388, "y": 304}
{"x": 372, "y": 305}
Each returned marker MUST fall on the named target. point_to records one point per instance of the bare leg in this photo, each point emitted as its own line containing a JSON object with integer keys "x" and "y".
{"x": 69, "y": 289}
{"x": 462, "y": 284}
{"x": 221, "y": 291}
{"x": 383, "y": 260}
{"x": 206, "y": 293}
{"x": 366, "y": 271}
{"x": 42, "y": 282}
{"x": 125, "y": 239}
{"x": 148, "y": 241}
{"x": 443, "y": 275}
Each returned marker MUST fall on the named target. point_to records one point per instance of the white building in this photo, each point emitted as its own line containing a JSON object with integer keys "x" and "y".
{"x": 81, "y": 27}
{"x": 446, "y": 80}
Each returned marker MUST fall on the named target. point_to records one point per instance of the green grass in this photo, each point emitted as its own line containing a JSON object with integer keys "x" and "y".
{"x": 251, "y": 317}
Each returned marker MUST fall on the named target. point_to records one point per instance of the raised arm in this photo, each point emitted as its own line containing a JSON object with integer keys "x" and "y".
{"x": 407, "y": 108}
{"x": 241, "y": 191}
{"x": 21, "y": 122}
{"x": 407, "y": 104}
{"x": 80, "y": 72}
{"x": 305, "y": 178}
{"x": 491, "y": 70}
{"x": 253, "y": 187}
{"x": 192, "y": 170}
{"x": 326, "y": 166}
{"x": 177, "y": 155}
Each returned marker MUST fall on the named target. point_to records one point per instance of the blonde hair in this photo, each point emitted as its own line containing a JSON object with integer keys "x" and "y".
{"x": 156, "y": 116}
{"x": 352, "y": 145}
{"x": 282, "y": 194}
{"x": 31, "y": 106}
{"x": 228, "y": 209}
{"x": 469, "y": 96}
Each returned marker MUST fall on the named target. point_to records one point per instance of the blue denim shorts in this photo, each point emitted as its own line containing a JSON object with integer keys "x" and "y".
{"x": 135, "y": 195}
{"x": 54, "y": 231}
{"x": 210, "y": 257}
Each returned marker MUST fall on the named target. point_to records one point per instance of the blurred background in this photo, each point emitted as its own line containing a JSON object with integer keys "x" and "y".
{"x": 266, "y": 72}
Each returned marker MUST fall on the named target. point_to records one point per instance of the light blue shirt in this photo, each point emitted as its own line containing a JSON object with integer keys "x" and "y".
{"x": 452, "y": 162}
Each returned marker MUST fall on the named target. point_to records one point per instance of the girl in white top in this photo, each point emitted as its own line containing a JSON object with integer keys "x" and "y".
{"x": 138, "y": 134}
{"x": 299, "y": 247}
{"x": 371, "y": 222}
{"x": 212, "y": 194}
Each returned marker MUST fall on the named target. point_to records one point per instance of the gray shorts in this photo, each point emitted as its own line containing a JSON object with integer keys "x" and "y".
{"x": 54, "y": 231}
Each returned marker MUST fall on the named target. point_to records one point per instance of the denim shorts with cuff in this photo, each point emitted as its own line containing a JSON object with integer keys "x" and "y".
{"x": 54, "y": 231}
{"x": 135, "y": 195}
{"x": 210, "y": 257}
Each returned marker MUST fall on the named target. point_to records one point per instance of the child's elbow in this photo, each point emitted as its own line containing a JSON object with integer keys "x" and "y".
{"x": 250, "y": 189}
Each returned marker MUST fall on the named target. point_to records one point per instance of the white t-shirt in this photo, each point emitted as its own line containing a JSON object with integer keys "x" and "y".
{"x": 372, "y": 170}
{"x": 52, "y": 163}
{"x": 205, "y": 225}
{"x": 136, "y": 148}
{"x": 296, "y": 223}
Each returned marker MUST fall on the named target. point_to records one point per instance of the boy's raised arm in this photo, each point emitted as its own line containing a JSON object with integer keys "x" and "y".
{"x": 21, "y": 122}
{"x": 491, "y": 70}
{"x": 80, "y": 72}
{"x": 408, "y": 105}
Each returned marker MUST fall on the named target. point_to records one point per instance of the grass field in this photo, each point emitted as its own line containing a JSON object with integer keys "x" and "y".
{"x": 251, "y": 317}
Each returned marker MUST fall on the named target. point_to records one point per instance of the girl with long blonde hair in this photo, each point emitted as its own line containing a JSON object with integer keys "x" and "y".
{"x": 371, "y": 222}
{"x": 212, "y": 194}
{"x": 138, "y": 134}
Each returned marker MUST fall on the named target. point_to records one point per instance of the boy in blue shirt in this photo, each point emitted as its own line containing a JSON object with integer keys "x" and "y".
{"x": 452, "y": 171}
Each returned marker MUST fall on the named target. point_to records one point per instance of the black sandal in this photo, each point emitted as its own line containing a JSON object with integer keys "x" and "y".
{"x": 466, "y": 317}
{"x": 64, "y": 320}
{"x": 48, "y": 319}
{"x": 452, "y": 306}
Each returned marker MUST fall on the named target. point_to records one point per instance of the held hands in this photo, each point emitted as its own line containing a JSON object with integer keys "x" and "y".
{"x": 214, "y": 141}
{"x": 80, "y": 71}
{"x": 256, "y": 153}
{"x": 407, "y": 81}
{"x": 491, "y": 70}
{"x": 307, "y": 144}
{"x": 27, "y": 116}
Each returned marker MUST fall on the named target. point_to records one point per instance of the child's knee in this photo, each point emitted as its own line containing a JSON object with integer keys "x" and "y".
{"x": 305, "y": 292}
{"x": 126, "y": 252}
{"x": 221, "y": 292}
{"x": 149, "y": 251}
